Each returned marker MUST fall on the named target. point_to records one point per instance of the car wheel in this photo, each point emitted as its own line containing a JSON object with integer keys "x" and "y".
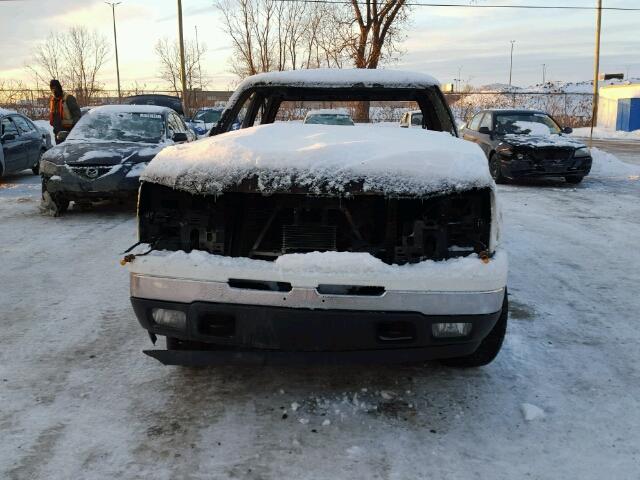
{"x": 489, "y": 347}
{"x": 495, "y": 169}
{"x": 36, "y": 168}
{"x": 575, "y": 179}
{"x": 53, "y": 203}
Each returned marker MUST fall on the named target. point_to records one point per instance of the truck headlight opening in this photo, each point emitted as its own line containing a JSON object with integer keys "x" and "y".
{"x": 450, "y": 330}
{"x": 174, "y": 319}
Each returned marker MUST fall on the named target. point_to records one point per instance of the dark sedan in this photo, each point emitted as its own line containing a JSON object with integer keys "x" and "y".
{"x": 527, "y": 143}
{"x": 105, "y": 153}
{"x": 21, "y": 143}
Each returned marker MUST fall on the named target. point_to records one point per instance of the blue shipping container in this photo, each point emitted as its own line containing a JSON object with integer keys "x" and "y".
{"x": 628, "y": 118}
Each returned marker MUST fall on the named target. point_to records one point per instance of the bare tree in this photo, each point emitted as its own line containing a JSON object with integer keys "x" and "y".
{"x": 282, "y": 35}
{"x": 74, "y": 57}
{"x": 168, "y": 53}
{"x": 271, "y": 35}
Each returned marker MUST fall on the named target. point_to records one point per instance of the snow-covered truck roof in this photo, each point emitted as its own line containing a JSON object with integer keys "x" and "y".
{"x": 336, "y": 78}
{"x": 339, "y": 77}
{"x": 323, "y": 158}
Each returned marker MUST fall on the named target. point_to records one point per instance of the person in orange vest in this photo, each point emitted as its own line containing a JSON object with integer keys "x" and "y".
{"x": 64, "y": 111}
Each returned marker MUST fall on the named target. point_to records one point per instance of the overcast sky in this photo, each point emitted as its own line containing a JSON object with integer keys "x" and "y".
{"x": 440, "y": 40}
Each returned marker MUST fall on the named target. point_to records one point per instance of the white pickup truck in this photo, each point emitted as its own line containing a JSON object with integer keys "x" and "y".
{"x": 285, "y": 242}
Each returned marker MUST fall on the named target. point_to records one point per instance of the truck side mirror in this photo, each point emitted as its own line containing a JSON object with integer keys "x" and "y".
{"x": 567, "y": 130}
{"x": 484, "y": 130}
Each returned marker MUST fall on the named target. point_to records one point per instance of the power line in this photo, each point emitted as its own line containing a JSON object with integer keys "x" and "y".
{"x": 461, "y": 5}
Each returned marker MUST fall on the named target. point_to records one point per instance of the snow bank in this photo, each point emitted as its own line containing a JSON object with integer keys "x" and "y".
{"x": 600, "y": 132}
{"x": 607, "y": 165}
{"x": 4, "y": 111}
{"x": 323, "y": 158}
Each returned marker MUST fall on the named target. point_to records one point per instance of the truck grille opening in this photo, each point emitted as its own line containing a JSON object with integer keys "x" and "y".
{"x": 261, "y": 285}
{"x": 356, "y": 290}
{"x": 396, "y": 332}
{"x": 217, "y": 325}
{"x": 252, "y": 225}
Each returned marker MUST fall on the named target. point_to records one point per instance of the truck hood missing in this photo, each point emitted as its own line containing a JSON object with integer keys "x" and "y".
{"x": 324, "y": 159}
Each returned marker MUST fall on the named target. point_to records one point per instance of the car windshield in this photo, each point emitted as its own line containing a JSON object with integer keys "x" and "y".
{"x": 526, "y": 124}
{"x": 120, "y": 126}
{"x": 208, "y": 116}
{"x": 329, "y": 119}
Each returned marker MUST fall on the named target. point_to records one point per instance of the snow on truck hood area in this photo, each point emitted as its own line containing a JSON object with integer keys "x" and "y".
{"x": 314, "y": 268}
{"x": 323, "y": 158}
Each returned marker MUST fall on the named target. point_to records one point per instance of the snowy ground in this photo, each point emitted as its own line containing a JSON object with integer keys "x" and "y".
{"x": 78, "y": 399}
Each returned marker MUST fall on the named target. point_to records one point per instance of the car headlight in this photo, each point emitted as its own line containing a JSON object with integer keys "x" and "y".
{"x": 505, "y": 149}
{"x": 582, "y": 152}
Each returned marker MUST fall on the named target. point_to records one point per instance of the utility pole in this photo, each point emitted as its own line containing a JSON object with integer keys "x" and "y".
{"x": 458, "y": 81}
{"x": 183, "y": 73}
{"x": 544, "y": 73}
{"x": 115, "y": 41}
{"x": 511, "y": 64}
{"x": 596, "y": 73}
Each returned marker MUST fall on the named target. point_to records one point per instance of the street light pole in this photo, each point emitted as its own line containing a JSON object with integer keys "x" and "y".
{"x": 544, "y": 74}
{"x": 596, "y": 73}
{"x": 115, "y": 41}
{"x": 511, "y": 64}
{"x": 183, "y": 73}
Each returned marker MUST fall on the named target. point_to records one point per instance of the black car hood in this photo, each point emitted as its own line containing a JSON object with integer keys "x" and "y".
{"x": 539, "y": 141}
{"x": 101, "y": 153}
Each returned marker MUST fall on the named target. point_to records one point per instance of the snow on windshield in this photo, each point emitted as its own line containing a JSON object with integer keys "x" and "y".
{"x": 324, "y": 158}
{"x": 537, "y": 124}
{"x": 118, "y": 126}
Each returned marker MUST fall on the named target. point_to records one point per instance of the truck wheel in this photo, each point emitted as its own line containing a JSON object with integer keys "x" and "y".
{"x": 489, "y": 347}
{"x": 575, "y": 179}
{"x": 495, "y": 169}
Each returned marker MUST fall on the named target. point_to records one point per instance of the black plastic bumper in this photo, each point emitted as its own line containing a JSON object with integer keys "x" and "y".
{"x": 513, "y": 168}
{"x": 246, "y": 334}
{"x": 111, "y": 185}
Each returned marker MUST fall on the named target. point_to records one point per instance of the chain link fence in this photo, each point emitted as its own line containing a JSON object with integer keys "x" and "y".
{"x": 569, "y": 109}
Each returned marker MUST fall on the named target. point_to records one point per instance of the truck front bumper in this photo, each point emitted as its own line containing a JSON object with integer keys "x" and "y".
{"x": 302, "y": 325}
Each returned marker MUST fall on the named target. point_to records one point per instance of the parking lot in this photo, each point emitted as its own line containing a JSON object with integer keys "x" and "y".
{"x": 79, "y": 399}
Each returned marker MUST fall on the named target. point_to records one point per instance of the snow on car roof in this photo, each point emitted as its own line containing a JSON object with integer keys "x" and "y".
{"x": 4, "y": 111}
{"x": 328, "y": 111}
{"x": 110, "y": 109}
{"x": 323, "y": 158}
